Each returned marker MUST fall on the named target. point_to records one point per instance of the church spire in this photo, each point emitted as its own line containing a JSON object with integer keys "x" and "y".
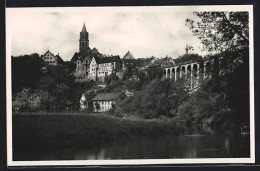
{"x": 84, "y": 28}
{"x": 83, "y": 40}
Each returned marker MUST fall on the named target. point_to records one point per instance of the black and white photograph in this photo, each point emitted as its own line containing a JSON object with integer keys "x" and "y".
{"x": 129, "y": 85}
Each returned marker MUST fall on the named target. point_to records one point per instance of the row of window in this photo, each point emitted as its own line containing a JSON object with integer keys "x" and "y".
{"x": 106, "y": 102}
{"x": 47, "y": 57}
{"x": 106, "y": 68}
{"x": 107, "y": 64}
{"x": 102, "y": 72}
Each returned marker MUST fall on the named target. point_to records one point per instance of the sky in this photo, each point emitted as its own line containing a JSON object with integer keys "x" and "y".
{"x": 144, "y": 31}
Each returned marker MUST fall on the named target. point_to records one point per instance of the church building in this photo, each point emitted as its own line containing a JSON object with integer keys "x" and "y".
{"x": 90, "y": 64}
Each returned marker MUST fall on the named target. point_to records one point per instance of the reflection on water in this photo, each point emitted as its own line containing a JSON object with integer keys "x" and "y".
{"x": 194, "y": 143}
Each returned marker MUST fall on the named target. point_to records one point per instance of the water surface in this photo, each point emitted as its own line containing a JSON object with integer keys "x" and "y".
{"x": 193, "y": 143}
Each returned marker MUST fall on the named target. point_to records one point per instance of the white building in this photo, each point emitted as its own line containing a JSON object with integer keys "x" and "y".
{"x": 50, "y": 59}
{"x": 104, "y": 101}
{"x": 101, "y": 67}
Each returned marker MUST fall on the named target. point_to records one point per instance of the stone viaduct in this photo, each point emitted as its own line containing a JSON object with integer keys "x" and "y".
{"x": 193, "y": 71}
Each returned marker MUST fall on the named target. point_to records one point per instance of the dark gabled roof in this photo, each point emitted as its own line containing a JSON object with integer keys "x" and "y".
{"x": 59, "y": 59}
{"x": 94, "y": 50}
{"x": 147, "y": 61}
{"x": 159, "y": 61}
{"x": 48, "y": 52}
{"x": 75, "y": 57}
{"x": 108, "y": 59}
{"x": 187, "y": 58}
{"x": 107, "y": 96}
{"x": 128, "y": 55}
{"x": 140, "y": 62}
{"x": 87, "y": 54}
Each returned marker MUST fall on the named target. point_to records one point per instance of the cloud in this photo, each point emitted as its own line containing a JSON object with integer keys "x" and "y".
{"x": 144, "y": 31}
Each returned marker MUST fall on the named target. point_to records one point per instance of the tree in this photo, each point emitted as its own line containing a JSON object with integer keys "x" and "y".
{"x": 61, "y": 94}
{"x": 221, "y": 31}
{"x": 154, "y": 72}
{"x": 26, "y": 70}
{"x": 227, "y": 35}
{"x": 21, "y": 102}
{"x": 97, "y": 106}
{"x": 29, "y": 100}
{"x": 48, "y": 83}
{"x": 38, "y": 100}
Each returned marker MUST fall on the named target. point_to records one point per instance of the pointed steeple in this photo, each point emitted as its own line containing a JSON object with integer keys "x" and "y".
{"x": 84, "y": 28}
{"x": 83, "y": 39}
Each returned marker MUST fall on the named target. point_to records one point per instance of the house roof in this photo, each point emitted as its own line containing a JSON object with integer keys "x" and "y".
{"x": 140, "y": 62}
{"x": 159, "y": 61}
{"x": 107, "y": 96}
{"x": 128, "y": 55}
{"x": 48, "y": 52}
{"x": 108, "y": 59}
{"x": 87, "y": 54}
{"x": 59, "y": 59}
{"x": 75, "y": 57}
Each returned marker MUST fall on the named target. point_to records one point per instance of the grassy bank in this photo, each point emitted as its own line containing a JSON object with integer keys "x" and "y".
{"x": 74, "y": 129}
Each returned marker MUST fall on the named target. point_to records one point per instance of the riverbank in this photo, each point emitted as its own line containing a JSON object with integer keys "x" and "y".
{"x": 35, "y": 130}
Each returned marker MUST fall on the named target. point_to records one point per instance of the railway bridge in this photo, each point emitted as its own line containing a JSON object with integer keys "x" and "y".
{"x": 193, "y": 71}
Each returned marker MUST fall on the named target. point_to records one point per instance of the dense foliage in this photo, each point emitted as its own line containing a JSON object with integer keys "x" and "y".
{"x": 53, "y": 91}
{"x": 221, "y": 31}
{"x": 226, "y": 34}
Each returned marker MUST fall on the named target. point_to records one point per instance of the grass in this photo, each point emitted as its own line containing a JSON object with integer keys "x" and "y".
{"x": 35, "y": 130}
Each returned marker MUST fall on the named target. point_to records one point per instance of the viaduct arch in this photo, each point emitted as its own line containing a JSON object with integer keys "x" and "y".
{"x": 193, "y": 71}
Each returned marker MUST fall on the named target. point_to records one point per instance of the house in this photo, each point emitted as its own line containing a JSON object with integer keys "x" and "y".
{"x": 101, "y": 67}
{"x": 51, "y": 60}
{"x": 107, "y": 66}
{"x": 86, "y": 100}
{"x": 140, "y": 63}
{"x": 102, "y": 102}
{"x": 164, "y": 62}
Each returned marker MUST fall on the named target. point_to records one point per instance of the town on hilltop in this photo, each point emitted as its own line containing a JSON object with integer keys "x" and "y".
{"x": 90, "y": 64}
{"x": 96, "y": 82}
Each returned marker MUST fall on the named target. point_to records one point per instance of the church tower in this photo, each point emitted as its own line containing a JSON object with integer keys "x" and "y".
{"x": 83, "y": 40}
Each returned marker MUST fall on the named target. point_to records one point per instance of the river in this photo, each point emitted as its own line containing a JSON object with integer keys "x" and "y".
{"x": 193, "y": 143}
